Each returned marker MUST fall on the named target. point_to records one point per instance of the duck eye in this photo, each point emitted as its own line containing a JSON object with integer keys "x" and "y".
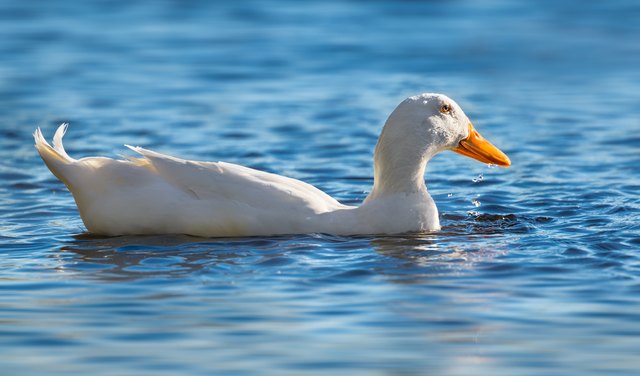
{"x": 445, "y": 108}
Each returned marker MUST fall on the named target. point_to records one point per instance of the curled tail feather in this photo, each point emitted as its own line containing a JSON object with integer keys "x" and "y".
{"x": 55, "y": 157}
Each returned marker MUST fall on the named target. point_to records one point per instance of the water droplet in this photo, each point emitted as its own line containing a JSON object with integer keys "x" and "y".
{"x": 478, "y": 179}
{"x": 475, "y": 203}
{"x": 449, "y": 194}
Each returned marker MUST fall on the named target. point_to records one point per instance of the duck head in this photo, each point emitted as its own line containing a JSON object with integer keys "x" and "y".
{"x": 419, "y": 128}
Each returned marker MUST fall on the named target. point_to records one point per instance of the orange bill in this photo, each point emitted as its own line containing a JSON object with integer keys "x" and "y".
{"x": 476, "y": 147}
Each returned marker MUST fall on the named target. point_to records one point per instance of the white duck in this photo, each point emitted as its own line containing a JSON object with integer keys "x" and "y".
{"x": 160, "y": 194}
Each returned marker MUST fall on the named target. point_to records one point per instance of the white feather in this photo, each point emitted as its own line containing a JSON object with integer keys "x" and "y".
{"x": 163, "y": 194}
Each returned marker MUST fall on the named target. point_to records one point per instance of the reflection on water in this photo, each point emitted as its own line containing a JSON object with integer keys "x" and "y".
{"x": 536, "y": 268}
{"x": 131, "y": 257}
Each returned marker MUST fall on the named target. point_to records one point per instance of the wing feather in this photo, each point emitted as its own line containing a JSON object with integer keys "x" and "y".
{"x": 228, "y": 181}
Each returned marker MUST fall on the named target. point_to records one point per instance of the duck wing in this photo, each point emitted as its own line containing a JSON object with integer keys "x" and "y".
{"x": 231, "y": 182}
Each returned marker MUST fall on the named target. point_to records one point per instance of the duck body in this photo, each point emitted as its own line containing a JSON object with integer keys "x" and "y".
{"x": 161, "y": 194}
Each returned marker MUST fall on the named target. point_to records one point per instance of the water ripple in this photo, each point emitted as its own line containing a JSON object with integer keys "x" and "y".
{"x": 534, "y": 272}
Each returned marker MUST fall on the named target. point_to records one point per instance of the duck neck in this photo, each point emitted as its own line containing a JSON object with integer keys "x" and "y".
{"x": 399, "y": 166}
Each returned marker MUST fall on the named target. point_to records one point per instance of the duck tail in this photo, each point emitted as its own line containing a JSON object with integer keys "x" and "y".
{"x": 55, "y": 157}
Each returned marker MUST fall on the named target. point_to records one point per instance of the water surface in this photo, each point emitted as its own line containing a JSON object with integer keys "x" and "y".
{"x": 536, "y": 270}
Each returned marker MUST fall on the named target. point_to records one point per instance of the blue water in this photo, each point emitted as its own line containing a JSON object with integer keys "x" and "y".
{"x": 536, "y": 270}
